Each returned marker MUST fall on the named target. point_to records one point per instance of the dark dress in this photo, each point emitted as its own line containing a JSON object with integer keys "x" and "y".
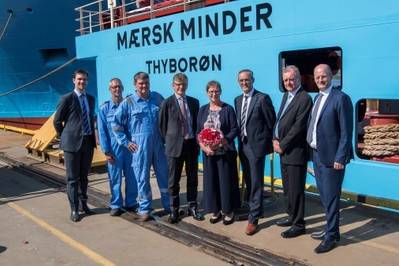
{"x": 221, "y": 191}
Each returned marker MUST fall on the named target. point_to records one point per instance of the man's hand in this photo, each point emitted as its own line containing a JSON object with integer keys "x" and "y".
{"x": 276, "y": 146}
{"x": 132, "y": 147}
{"x": 110, "y": 158}
{"x": 338, "y": 166}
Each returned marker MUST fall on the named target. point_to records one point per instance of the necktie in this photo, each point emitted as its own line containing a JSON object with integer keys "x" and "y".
{"x": 244, "y": 117}
{"x": 183, "y": 112}
{"x": 309, "y": 135}
{"x": 85, "y": 116}
{"x": 287, "y": 102}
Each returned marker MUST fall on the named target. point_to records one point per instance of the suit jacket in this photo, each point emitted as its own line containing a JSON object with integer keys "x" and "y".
{"x": 334, "y": 129}
{"x": 170, "y": 124}
{"x": 68, "y": 122}
{"x": 260, "y": 121}
{"x": 292, "y": 128}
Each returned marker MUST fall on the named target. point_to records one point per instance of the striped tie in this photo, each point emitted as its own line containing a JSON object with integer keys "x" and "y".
{"x": 86, "y": 124}
{"x": 244, "y": 117}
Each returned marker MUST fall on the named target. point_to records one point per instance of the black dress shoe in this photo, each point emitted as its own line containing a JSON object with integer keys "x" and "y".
{"x": 116, "y": 212}
{"x": 284, "y": 222}
{"x": 86, "y": 208}
{"x": 325, "y": 246}
{"x": 215, "y": 218}
{"x": 293, "y": 232}
{"x": 228, "y": 218}
{"x": 193, "y": 211}
{"x": 75, "y": 216}
{"x": 174, "y": 216}
{"x": 319, "y": 235}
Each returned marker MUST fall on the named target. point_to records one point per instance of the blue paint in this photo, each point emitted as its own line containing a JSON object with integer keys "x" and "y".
{"x": 368, "y": 35}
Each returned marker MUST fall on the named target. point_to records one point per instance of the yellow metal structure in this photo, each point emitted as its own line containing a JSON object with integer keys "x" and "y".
{"x": 45, "y": 138}
{"x": 17, "y": 129}
{"x": 42, "y": 137}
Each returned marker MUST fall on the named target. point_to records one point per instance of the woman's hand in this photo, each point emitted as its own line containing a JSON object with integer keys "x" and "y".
{"x": 207, "y": 150}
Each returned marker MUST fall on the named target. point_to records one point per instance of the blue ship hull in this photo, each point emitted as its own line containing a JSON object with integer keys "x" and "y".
{"x": 38, "y": 38}
{"x": 216, "y": 42}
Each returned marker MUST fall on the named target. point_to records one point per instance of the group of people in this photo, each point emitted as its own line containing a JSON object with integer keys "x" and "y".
{"x": 144, "y": 130}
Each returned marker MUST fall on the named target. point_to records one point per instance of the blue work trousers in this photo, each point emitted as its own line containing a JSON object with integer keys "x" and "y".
{"x": 150, "y": 152}
{"x": 122, "y": 167}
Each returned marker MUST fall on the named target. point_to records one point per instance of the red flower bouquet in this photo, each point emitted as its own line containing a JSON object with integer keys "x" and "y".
{"x": 210, "y": 137}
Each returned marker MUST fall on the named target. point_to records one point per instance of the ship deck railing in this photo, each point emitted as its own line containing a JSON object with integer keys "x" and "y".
{"x": 105, "y": 14}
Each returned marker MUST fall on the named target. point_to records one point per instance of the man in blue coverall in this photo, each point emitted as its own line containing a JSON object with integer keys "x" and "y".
{"x": 136, "y": 127}
{"x": 119, "y": 158}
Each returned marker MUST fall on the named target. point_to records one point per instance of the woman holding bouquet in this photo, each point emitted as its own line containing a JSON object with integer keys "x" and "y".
{"x": 217, "y": 129}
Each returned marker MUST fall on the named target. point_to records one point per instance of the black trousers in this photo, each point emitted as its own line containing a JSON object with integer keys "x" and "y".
{"x": 253, "y": 168}
{"x": 220, "y": 183}
{"x": 175, "y": 165}
{"x": 77, "y": 168}
{"x": 294, "y": 178}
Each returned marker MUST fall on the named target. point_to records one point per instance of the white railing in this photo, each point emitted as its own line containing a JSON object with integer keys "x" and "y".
{"x": 105, "y": 14}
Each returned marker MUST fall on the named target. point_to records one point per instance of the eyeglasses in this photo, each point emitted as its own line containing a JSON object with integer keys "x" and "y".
{"x": 214, "y": 92}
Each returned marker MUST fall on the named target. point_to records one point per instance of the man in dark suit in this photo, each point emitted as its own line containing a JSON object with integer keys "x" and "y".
{"x": 329, "y": 135}
{"x": 256, "y": 117}
{"x": 289, "y": 140}
{"x": 178, "y": 125}
{"x": 74, "y": 123}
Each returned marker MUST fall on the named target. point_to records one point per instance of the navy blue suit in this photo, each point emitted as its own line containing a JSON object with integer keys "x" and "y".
{"x": 78, "y": 148}
{"x": 333, "y": 144}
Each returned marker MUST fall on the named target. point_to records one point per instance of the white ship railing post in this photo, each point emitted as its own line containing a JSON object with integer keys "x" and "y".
{"x": 90, "y": 22}
{"x": 111, "y": 5}
{"x": 81, "y": 21}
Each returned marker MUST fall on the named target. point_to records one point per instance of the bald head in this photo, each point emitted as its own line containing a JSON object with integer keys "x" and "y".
{"x": 322, "y": 76}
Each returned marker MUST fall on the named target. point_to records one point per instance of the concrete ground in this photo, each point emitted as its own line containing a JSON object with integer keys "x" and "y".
{"x": 369, "y": 236}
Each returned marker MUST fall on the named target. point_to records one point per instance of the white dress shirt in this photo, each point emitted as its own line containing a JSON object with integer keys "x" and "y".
{"x": 249, "y": 95}
{"x": 323, "y": 101}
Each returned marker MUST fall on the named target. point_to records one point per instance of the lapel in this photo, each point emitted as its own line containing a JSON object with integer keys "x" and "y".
{"x": 76, "y": 102}
{"x": 293, "y": 101}
{"x": 239, "y": 104}
{"x": 252, "y": 103}
{"x": 285, "y": 97}
{"x": 330, "y": 99}
{"x": 176, "y": 107}
{"x": 190, "y": 105}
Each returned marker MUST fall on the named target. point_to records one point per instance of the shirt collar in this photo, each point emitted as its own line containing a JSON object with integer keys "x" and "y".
{"x": 327, "y": 91}
{"x": 249, "y": 94}
{"x": 178, "y": 96}
{"x": 79, "y": 93}
{"x": 136, "y": 98}
{"x": 294, "y": 92}
{"x": 113, "y": 105}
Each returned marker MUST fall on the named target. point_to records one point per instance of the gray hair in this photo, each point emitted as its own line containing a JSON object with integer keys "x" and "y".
{"x": 292, "y": 68}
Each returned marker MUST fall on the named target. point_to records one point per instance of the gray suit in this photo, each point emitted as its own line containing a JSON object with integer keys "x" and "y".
{"x": 178, "y": 150}
{"x": 78, "y": 148}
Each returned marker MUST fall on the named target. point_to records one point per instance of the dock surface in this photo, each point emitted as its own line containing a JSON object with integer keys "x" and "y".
{"x": 36, "y": 230}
